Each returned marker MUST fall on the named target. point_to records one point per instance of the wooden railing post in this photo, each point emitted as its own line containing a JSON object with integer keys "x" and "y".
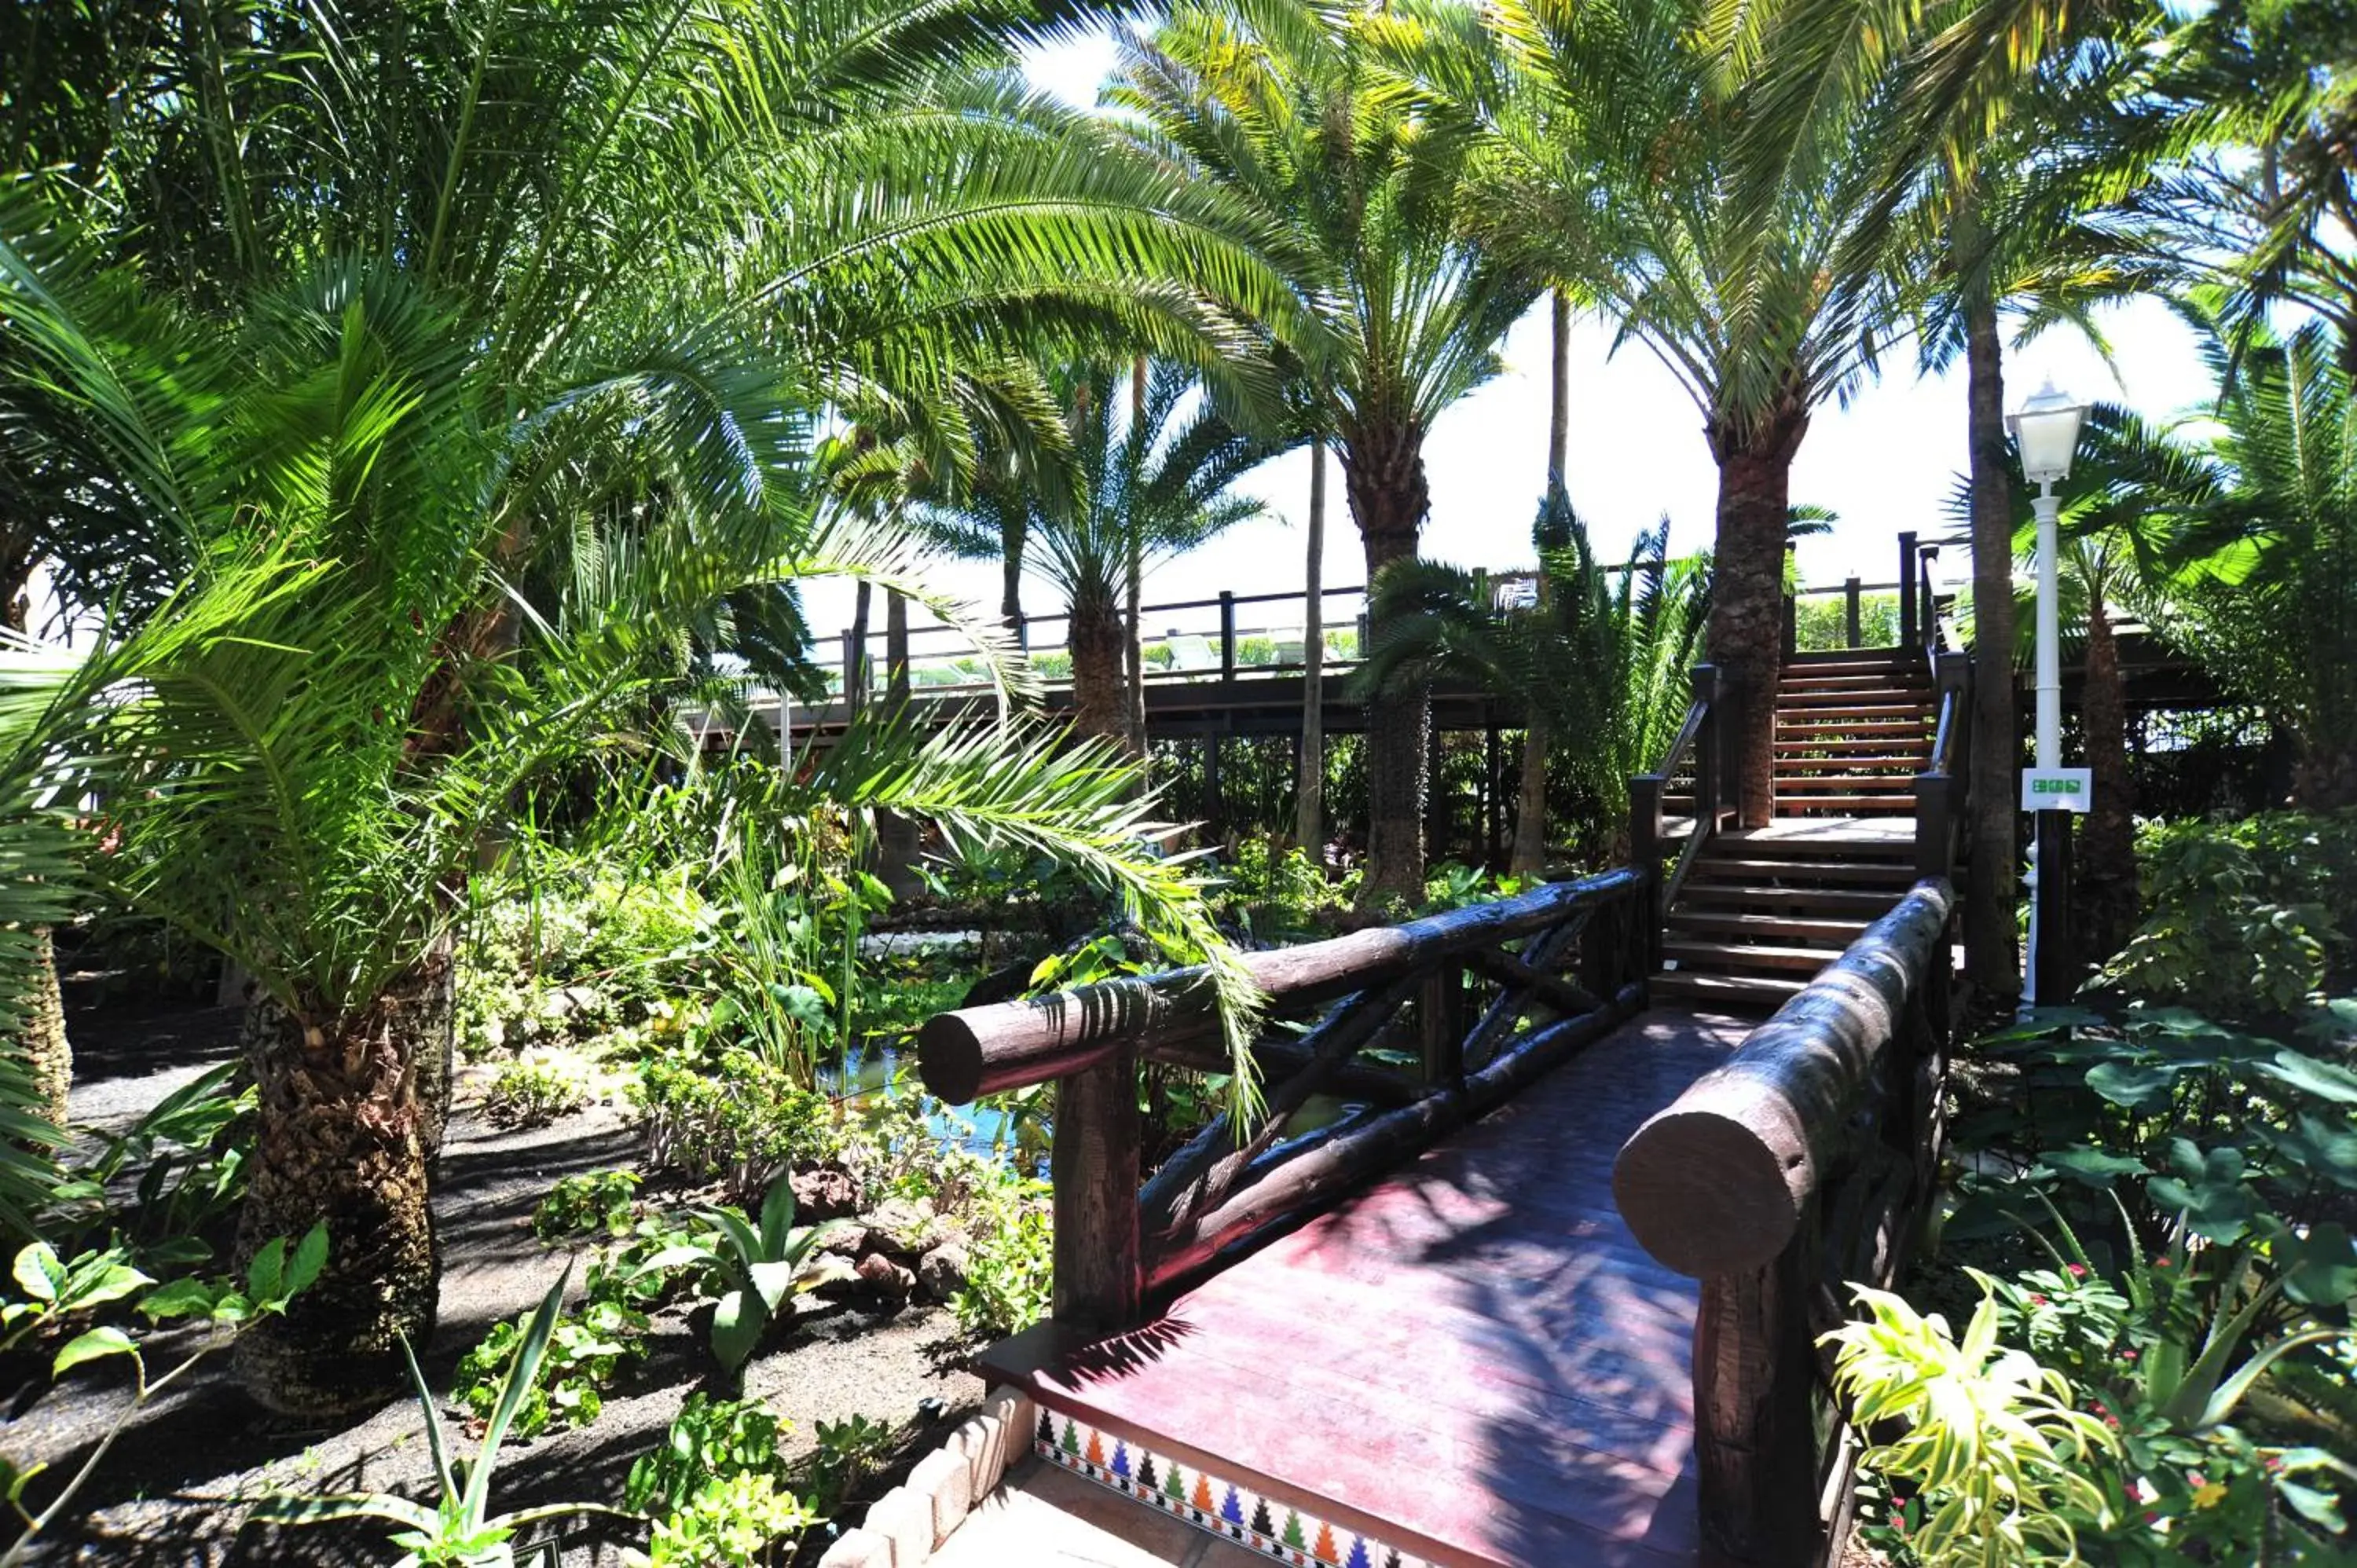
{"x": 1095, "y": 1164}
{"x": 1227, "y": 634}
{"x": 1440, "y": 1017}
{"x": 1755, "y": 1436}
{"x": 1851, "y": 631}
{"x": 1910, "y": 634}
{"x": 1645, "y": 855}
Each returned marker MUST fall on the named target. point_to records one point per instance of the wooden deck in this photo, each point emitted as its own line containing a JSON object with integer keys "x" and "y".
{"x": 1470, "y": 1363}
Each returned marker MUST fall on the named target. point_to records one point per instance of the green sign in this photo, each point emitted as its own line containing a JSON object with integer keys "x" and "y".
{"x": 2056, "y": 788}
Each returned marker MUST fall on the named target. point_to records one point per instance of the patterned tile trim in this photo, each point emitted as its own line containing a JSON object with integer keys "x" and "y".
{"x": 1234, "y": 1513}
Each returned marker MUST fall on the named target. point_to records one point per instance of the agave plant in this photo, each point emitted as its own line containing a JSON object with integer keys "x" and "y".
{"x": 765, "y": 1268}
{"x": 458, "y": 1529}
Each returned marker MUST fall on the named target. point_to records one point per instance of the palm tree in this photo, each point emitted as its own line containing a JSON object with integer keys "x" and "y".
{"x": 1296, "y": 113}
{"x": 1599, "y": 671}
{"x": 2022, "y": 222}
{"x": 1727, "y": 185}
{"x": 1141, "y": 487}
{"x": 2261, "y": 517}
{"x": 479, "y": 286}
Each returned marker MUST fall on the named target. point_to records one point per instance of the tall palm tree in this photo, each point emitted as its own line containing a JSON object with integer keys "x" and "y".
{"x": 2022, "y": 222}
{"x": 1725, "y": 184}
{"x": 1147, "y": 479}
{"x": 1298, "y": 114}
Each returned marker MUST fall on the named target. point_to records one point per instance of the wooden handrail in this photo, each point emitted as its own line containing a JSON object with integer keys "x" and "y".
{"x": 1798, "y": 1166}
{"x": 1467, "y": 990}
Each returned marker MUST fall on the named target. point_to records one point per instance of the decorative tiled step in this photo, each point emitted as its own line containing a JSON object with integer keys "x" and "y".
{"x": 1218, "y": 1505}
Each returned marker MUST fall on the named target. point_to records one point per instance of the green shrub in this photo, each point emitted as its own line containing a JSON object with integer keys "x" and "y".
{"x": 1988, "y": 1440}
{"x": 533, "y": 1091}
{"x": 848, "y": 1451}
{"x": 2245, "y": 919}
{"x": 729, "y": 1523}
{"x": 586, "y": 1204}
{"x": 709, "y": 1440}
{"x": 745, "y": 1122}
{"x": 583, "y": 1357}
{"x": 1010, "y": 1265}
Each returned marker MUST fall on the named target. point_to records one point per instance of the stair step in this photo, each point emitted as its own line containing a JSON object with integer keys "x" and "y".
{"x": 1887, "y": 769}
{"x": 1845, "y": 805}
{"x": 1837, "y": 745}
{"x": 1868, "y": 903}
{"x": 1770, "y": 927}
{"x": 1819, "y": 783}
{"x": 1834, "y": 873}
{"x": 1876, "y": 700}
{"x": 1812, "y": 726}
{"x": 1864, "y": 657}
{"x": 1742, "y": 992}
{"x": 1846, "y": 681}
{"x": 1765, "y": 843}
{"x": 1748, "y": 956}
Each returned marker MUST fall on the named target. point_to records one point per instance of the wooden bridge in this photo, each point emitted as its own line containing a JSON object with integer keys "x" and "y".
{"x": 1550, "y": 1294}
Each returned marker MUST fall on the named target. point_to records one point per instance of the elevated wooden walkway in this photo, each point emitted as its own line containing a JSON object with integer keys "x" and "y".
{"x": 1472, "y": 1362}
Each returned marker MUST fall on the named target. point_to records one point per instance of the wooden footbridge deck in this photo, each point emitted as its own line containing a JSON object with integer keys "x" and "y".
{"x": 1550, "y": 1295}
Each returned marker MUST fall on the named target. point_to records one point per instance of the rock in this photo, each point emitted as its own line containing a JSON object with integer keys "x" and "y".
{"x": 844, "y": 1240}
{"x": 901, "y": 1227}
{"x": 942, "y": 1270}
{"x": 824, "y": 1193}
{"x": 885, "y": 1277}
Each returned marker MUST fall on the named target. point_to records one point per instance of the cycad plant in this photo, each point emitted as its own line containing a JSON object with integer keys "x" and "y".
{"x": 1150, "y": 467}
{"x": 1599, "y": 671}
{"x": 1300, "y": 114}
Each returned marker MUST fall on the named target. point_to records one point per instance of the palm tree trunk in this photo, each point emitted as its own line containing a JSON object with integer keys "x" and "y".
{"x": 1991, "y": 953}
{"x": 1559, "y": 406}
{"x": 1747, "y": 607}
{"x": 896, "y": 832}
{"x": 2106, "y": 883}
{"x": 1100, "y": 699}
{"x": 1382, "y": 470}
{"x": 343, "y": 1139}
{"x": 1010, "y": 573}
{"x": 43, "y": 1044}
{"x": 1133, "y": 613}
{"x": 855, "y": 673}
{"x": 1528, "y": 858}
{"x": 1309, "y": 799}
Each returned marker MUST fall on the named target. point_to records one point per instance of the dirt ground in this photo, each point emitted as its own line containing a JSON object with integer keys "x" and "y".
{"x": 177, "y": 1487}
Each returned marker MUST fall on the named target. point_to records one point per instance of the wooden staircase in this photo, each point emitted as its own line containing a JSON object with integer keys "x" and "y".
{"x": 1762, "y": 911}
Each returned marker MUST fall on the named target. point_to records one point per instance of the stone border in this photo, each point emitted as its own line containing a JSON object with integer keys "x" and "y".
{"x": 908, "y": 1524}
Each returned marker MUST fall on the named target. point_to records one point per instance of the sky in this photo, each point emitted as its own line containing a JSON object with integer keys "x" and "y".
{"x": 1884, "y": 464}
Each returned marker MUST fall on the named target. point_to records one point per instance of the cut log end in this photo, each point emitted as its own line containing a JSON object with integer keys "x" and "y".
{"x": 949, "y": 1059}
{"x": 1706, "y": 1194}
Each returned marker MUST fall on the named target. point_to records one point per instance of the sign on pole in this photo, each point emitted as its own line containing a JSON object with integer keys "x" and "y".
{"x": 2057, "y": 789}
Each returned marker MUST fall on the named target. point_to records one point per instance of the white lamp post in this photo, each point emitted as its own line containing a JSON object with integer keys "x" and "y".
{"x": 2046, "y": 431}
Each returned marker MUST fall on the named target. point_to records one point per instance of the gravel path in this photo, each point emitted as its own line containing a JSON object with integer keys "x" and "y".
{"x": 176, "y": 1488}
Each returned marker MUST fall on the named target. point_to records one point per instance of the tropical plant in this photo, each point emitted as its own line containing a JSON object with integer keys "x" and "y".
{"x": 589, "y": 1204}
{"x": 2262, "y": 503}
{"x": 1726, "y": 185}
{"x": 59, "y": 1292}
{"x": 763, "y": 1268}
{"x": 1142, "y": 482}
{"x": 1301, "y": 115}
{"x": 459, "y": 1530}
{"x": 1600, "y": 670}
{"x": 1988, "y": 1436}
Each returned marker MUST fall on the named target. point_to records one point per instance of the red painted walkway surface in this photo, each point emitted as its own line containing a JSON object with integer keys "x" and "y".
{"x": 1473, "y": 1360}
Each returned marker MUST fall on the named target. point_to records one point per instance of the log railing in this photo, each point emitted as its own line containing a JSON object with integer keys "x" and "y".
{"x": 1482, "y": 999}
{"x": 1801, "y": 1163}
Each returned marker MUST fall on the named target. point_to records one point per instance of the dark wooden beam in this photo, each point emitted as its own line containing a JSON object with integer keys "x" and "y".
{"x": 1717, "y": 1183}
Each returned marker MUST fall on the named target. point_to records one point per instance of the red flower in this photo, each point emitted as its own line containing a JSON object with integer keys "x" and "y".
{"x": 2128, "y": 1355}
{"x": 2078, "y": 1271}
{"x": 2160, "y": 1263}
{"x": 2113, "y": 1422}
{"x": 2036, "y": 1299}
